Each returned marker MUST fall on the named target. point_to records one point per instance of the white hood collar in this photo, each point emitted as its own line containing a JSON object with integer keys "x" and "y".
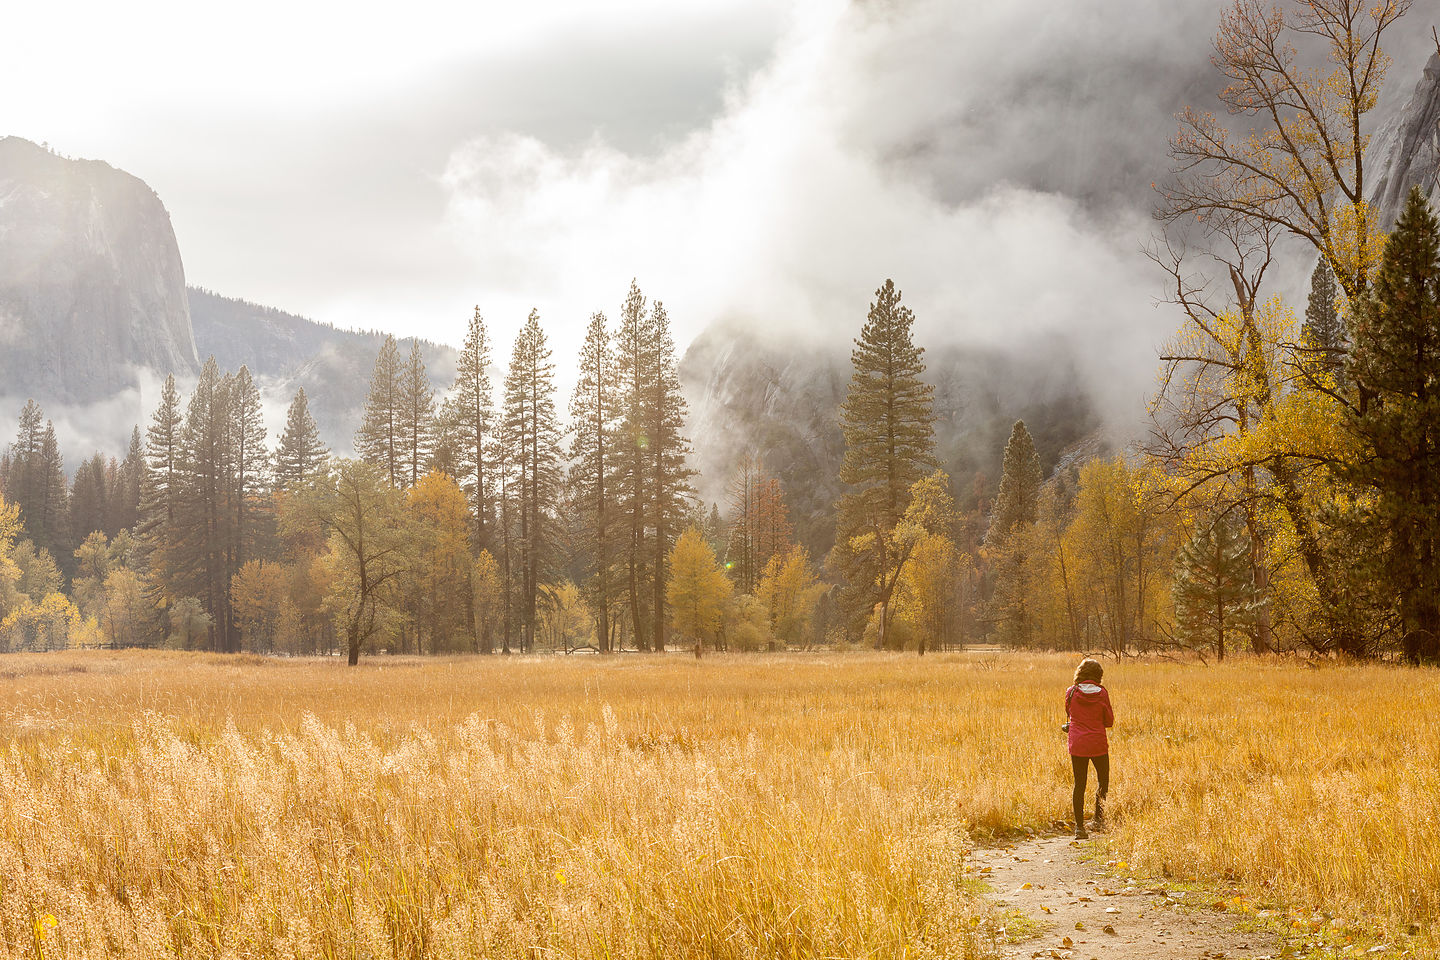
{"x": 1089, "y": 688}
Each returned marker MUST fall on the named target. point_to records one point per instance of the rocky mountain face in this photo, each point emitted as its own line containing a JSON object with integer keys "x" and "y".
{"x": 91, "y": 283}
{"x": 1407, "y": 148}
{"x": 94, "y": 311}
{"x": 285, "y": 352}
{"x": 781, "y": 402}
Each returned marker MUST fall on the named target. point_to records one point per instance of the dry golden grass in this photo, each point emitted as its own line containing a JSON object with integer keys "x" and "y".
{"x": 159, "y": 804}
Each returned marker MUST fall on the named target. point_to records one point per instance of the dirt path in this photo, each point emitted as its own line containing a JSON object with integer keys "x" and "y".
{"x": 1081, "y": 910}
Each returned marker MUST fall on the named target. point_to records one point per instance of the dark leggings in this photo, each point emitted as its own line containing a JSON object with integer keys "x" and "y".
{"x": 1102, "y": 777}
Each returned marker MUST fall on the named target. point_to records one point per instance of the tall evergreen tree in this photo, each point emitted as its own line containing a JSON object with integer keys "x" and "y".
{"x": 51, "y": 497}
{"x": 37, "y": 482}
{"x": 1323, "y": 333}
{"x": 445, "y": 445}
{"x": 1395, "y": 367}
{"x": 125, "y": 494}
{"x": 713, "y": 527}
{"x": 888, "y": 422}
{"x": 1008, "y": 539}
{"x": 220, "y": 502}
{"x": 196, "y": 560}
{"x": 248, "y": 461}
{"x": 533, "y": 435}
{"x": 668, "y": 452}
{"x": 302, "y": 453}
{"x": 475, "y": 428}
{"x": 632, "y": 351}
{"x": 1213, "y": 588}
{"x": 159, "y": 482}
{"x": 25, "y": 463}
{"x": 1019, "y": 493}
{"x": 89, "y": 501}
{"x": 379, "y": 440}
{"x": 417, "y": 418}
{"x": 594, "y": 417}
{"x": 505, "y": 473}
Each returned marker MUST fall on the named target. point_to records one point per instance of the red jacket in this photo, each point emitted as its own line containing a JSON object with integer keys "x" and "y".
{"x": 1088, "y": 707}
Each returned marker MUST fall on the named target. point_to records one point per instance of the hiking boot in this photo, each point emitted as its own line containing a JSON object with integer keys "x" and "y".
{"x": 1098, "y": 825}
{"x": 1080, "y": 833}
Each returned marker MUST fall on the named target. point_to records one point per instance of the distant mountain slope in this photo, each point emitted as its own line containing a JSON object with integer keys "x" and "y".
{"x": 285, "y": 352}
{"x": 1408, "y": 148}
{"x": 91, "y": 283}
{"x": 782, "y": 401}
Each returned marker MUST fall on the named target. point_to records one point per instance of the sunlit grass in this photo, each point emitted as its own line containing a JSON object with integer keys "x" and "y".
{"x": 787, "y": 806}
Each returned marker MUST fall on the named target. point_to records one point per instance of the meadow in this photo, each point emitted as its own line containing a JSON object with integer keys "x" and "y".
{"x": 157, "y": 804}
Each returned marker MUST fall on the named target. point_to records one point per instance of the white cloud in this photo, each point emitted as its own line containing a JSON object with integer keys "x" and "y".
{"x": 780, "y": 214}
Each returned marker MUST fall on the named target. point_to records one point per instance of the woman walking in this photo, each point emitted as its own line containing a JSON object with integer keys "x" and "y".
{"x": 1087, "y": 707}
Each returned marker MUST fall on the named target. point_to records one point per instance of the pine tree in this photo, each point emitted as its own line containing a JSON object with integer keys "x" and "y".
{"x": 632, "y": 348}
{"x": 379, "y": 441}
{"x": 1008, "y": 540}
{"x": 125, "y": 496}
{"x": 220, "y": 503}
{"x": 38, "y": 482}
{"x": 159, "y": 484}
{"x": 25, "y": 463}
{"x": 89, "y": 499}
{"x": 302, "y": 453}
{"x": 668, "y": 453}
{"x": 503, "y": 469}
{"x": 1323, "y": 333}
{"x": 715, "y": 533}
{"x": 888, "y": 422}
{"x": 1019, "y": 493}
{"x": 51, "y": 496}
{"x": 445, "y": 444}
{"x": 417, "y": 416}
{"x": 247, "y": 460}
{"x": 196, "y": 558}
{"x": 1213, "y": 589}
{"x": 594, "y": 417}
{"x": 533, "y": 435}
{"x": 475, "y": 428}
{"x": 1396, "y": 418}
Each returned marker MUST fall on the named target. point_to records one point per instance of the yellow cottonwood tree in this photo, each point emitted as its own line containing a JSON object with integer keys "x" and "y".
{"x": 1122, "y": 540}
{"x": 931, "y": 510}
{"x": 697, "y": 589}
{"x": 932, "y": 587}
{"x": 790, "y": 590}
{"x": 260, "y": 592}
{"x": 437, "y": 583}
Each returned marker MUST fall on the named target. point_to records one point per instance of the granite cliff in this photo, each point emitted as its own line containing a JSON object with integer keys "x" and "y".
{"x": 1407, "y": 148}
{"x": 92, "y": 288}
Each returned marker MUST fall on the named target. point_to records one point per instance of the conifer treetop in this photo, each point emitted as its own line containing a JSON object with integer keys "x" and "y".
{"x": 887, "y": 417}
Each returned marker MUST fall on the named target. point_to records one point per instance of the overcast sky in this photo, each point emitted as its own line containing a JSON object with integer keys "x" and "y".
{"x": 768, "y": 161}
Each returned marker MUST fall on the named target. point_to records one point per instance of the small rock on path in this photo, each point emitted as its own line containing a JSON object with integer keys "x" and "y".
{"x": 1105, "y": 917}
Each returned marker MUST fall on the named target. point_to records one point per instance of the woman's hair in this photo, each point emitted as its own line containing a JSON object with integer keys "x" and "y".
{"x": 1089, "y": 671}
